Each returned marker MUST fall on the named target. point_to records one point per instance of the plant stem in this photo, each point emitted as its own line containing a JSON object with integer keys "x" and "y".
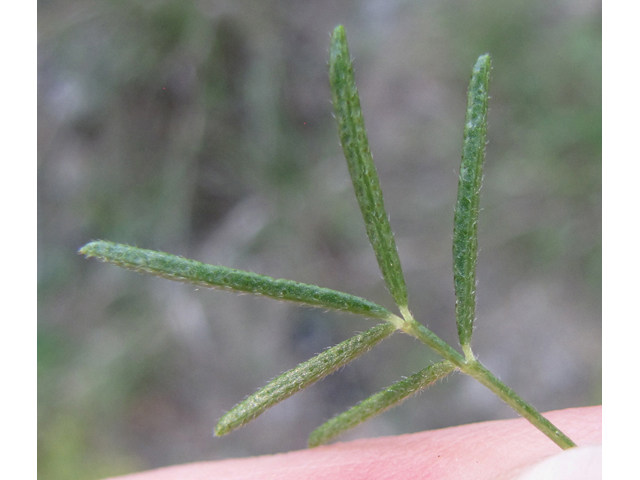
{"x": 489, "y": 380}
{"x": 478, "y": 371}
{"x": 414, "y": 328}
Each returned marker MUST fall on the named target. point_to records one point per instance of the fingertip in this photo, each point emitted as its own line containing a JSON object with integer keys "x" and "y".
{"x": 580, "y": 463}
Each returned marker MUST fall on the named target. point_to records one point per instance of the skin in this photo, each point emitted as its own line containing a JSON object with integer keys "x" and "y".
{"x": 499, "y": 450}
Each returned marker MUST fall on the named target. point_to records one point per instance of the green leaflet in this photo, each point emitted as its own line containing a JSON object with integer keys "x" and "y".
{"x": 465, "y": 224}
{"x": 173, "y": 267}
{"x": 355, "y": 145}
{"x": 378, "y": 403}
{"x": 301, "y": 377}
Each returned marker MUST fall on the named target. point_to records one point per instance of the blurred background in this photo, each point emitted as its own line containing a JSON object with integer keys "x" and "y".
{"x": 204, "y": 129}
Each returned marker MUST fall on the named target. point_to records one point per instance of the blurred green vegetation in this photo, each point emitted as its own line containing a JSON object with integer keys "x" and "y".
{"x": 204, "y": 129}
